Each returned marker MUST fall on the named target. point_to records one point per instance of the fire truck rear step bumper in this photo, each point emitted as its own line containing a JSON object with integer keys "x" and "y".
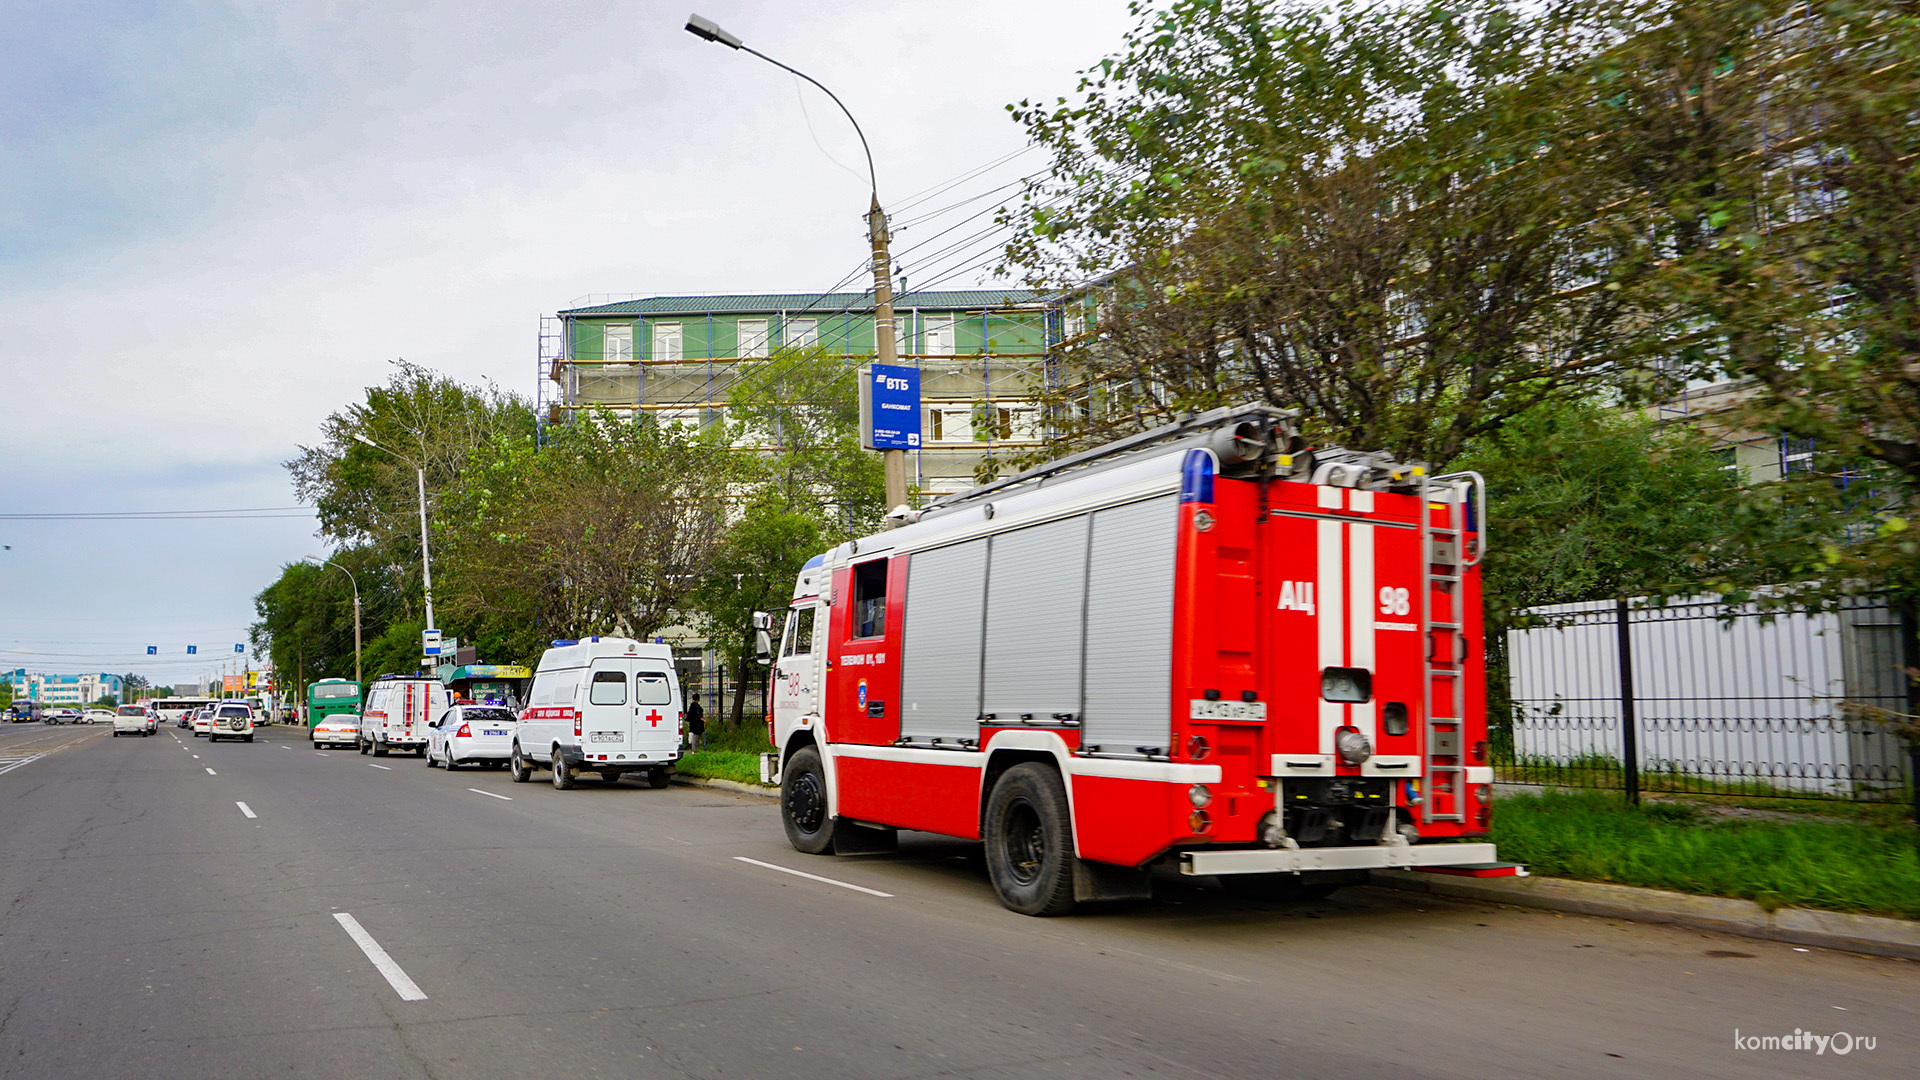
{"x": 1380, "y": 857}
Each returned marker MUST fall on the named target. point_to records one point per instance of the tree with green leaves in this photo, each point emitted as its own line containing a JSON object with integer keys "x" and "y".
{"x": 605, "y": 530}
{"x": 803, "y": 406}
{"x": 1379, "y": 212}
{"x": 1773, "y": 146}
{"x": 1590, "y": 502}
{"x": 306, "y": 615}
{"x": 753, "y": 569}
{"x": 368, "y": 497}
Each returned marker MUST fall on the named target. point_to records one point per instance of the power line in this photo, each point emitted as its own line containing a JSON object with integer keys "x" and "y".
{"x": 243, "y": 513}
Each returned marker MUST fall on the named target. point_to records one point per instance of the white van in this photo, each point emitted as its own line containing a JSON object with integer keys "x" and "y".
{"x": 397, "y": 712}
{"x": 609, "y": 705}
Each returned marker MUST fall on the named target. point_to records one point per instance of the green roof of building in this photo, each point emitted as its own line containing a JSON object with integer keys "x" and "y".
{"x": 820, "y": 303}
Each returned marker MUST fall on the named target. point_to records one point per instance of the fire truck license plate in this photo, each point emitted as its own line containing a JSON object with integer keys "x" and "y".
{"x": 1227, "y": 710}
{"x": 604, "y": 736}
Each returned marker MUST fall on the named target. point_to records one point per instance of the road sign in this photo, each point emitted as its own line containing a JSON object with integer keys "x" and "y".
{"x": 192, "y": 649}
{"x": 429, "y": 643}
{"x": 243, "y": 648}
{"x": 153, "y": 650}
{"x": 890, "y": 408}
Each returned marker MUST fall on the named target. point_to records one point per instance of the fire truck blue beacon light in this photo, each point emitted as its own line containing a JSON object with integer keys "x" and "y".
{"x": 1196, "y": 477}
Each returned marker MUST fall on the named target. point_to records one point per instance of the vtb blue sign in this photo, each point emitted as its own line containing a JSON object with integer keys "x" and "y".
{"x": 890, "y": 408}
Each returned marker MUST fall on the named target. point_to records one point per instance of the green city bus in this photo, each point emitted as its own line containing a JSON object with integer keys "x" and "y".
{"x": 330, "y": 697}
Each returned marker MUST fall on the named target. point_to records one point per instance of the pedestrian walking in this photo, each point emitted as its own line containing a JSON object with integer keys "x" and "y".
{"x": 696, "y": 724}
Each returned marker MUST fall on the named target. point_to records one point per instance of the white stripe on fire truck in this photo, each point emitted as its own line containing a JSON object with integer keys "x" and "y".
{"x": 1333, "y": 638}
{"x": 1360, "y": 652}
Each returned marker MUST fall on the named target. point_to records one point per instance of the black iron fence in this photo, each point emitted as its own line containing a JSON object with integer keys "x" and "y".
{"x": 1703, "y": 697}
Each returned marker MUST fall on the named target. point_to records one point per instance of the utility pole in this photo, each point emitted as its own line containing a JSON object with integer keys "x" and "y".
{"x": 884, "y": 343}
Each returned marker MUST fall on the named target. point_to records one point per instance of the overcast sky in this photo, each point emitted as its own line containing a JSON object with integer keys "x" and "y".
{"x": 221, "y": 221}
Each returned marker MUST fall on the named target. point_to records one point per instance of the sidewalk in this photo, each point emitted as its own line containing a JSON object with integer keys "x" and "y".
{"x": 1798, "y": 926}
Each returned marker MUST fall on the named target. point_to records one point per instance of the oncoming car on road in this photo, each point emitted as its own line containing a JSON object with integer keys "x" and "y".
{"x": 338, "y": 729}
{"x": 231, "y": 720}
{"x": 469, "y": 734}
{"x": 130, "y": 720}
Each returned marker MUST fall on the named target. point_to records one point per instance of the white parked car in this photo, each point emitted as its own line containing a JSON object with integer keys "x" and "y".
{"x": 606, "y": 704}
{"x": 130, "y": 720}
{"x": 340, "y": 729}
{"x": 470, "y": 735}
{"x": 231, "y": 720}
{"x": 97, "y": 716}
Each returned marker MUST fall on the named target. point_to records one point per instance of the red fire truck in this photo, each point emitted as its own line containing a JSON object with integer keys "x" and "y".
{"x": 1208, "y": 644}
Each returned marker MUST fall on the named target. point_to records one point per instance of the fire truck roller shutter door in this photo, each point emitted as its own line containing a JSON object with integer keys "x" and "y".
{"x": 1129, "y": 654}
{"x": 1036, "y": 588}
{"x": 940, "y": 649}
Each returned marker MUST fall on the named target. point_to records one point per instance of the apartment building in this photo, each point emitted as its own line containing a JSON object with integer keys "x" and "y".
{"x": 981, "y": 354}
{"x": 70, "y": 690}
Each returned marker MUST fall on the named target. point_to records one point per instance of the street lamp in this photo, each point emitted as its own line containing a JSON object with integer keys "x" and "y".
{"x": 426, "y": 563}
{"x": 356, "y": 609}
{"x": 885, "y": 352}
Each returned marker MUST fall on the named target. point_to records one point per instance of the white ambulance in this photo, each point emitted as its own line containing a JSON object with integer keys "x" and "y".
{"x": 397, "y": 712}
{"x": 608, "y": 705}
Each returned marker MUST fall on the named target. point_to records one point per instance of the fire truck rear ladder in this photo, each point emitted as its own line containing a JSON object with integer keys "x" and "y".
{"x": 1444, "y": 646}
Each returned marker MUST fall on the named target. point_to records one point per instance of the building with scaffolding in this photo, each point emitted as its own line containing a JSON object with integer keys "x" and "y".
{"x": 981, "y": 353}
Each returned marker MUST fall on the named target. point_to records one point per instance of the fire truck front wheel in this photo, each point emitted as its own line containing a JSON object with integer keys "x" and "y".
{"x": 1029, "y": 840}
{"x": 803, "y": 802}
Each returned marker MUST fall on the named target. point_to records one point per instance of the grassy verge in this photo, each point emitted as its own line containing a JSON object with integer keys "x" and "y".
{"x": 730, "y": 754}
{"x": 1593, "y": 836}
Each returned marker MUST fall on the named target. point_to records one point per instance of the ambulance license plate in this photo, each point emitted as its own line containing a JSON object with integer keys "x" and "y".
{"x": 605, "y": 736}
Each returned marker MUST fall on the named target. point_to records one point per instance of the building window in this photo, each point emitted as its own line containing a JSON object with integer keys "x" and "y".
{"x": 1075, "y": 322}
{"x": 666, "y": 341}
{"x": 1796, "y": 456}
{"x": 903, "y": 332}
{"x": 619, "y": 345}
{"x": 939, "y": 335}
{"x": 949, "y": 423}
{"x": 803, "y": 333}
{"x": 753, "y": 338}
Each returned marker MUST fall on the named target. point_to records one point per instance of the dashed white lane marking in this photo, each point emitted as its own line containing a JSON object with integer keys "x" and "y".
{"x": 247, "y": 810}
{"x": 397, "y": 978}
{"x": 382, "y": 768}
{"x": 813, "y": 877}
{"x": 210, "y": 772}
{"x": 491, "y": 795}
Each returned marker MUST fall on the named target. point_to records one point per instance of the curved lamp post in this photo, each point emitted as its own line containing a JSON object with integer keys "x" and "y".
{"x": 885, "y": 351}
{"x": 426, "y": 563}
{"x": 356, "y": 609}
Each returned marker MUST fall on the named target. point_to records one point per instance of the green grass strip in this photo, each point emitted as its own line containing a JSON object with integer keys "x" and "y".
{"x": 1594, "y": 836}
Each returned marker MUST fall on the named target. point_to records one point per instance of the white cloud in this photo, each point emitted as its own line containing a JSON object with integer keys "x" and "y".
{"x": 334, "y": 188}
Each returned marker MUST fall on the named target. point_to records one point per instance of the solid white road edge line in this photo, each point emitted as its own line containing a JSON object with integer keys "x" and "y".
{"x": 210, "y": 772}
{"x": 247, "y": 810}
{"x": 382, "y": 768}
{"x": 402, "y": 985}
{"x": 814, "y": 877}
{"x": 491, "y": 795}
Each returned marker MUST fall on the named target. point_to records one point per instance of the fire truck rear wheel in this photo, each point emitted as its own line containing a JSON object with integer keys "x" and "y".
{"x": 803, "y": 802}
{"x": 1029, "y": 841}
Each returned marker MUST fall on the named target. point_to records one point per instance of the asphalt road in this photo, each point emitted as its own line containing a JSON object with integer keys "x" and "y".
{"x": 153, "y": 929}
